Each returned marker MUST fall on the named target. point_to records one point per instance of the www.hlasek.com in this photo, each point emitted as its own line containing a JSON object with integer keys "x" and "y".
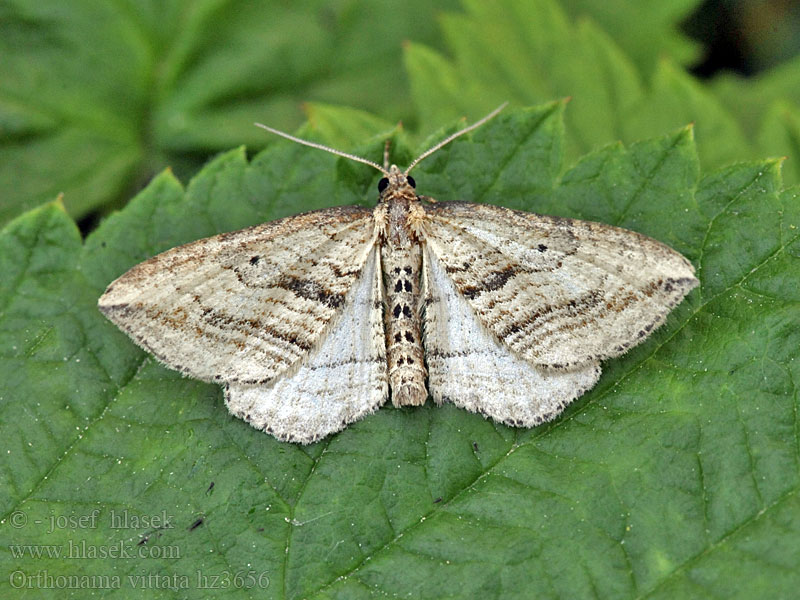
{"x": 81, "y": 550}
{"x": 43, "y": 579}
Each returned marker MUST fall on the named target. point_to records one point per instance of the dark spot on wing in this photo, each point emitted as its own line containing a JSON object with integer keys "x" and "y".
{"x": 310, "y": 290}
{"x": 495, "y": 281}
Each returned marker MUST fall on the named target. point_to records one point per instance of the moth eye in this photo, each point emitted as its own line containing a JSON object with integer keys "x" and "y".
{"x": 383, "y": 184}
{"x": 411, "y": 181}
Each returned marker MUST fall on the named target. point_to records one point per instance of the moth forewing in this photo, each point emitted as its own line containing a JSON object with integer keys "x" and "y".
{"x": 559, "y": 293}
{"x": 244, "y": 306}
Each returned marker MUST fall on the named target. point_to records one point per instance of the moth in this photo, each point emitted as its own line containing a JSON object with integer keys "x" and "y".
{"x": 313, "y": 321}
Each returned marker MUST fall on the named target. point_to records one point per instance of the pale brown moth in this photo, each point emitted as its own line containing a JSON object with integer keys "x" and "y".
{"x": 313, "y": 321}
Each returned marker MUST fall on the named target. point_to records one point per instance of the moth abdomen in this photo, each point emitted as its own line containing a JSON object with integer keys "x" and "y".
{"x": 401, "y": 274}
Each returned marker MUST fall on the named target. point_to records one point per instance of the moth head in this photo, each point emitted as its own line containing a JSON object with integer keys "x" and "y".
{"x": 396, "y": 182}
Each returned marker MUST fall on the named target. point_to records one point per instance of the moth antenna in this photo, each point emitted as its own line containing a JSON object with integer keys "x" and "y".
{"x": 449, "y": 139}
{"x": 386, "y": 154}
{"x": 298, "y": 140}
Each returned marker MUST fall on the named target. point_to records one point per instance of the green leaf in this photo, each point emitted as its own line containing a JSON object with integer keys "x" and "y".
{"x": 97, "y": 96}
{"x": 529, "y": 51}
{"x": 341, "y": 126}
{"x": 750, "y": 98}
{"x": 768, "y": 107}
{"x": 675, "y": 477}
{"x": 780, "y": 134}
{"x": 645, "y": 30}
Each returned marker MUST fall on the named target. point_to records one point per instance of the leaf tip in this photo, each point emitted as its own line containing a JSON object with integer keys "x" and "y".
{"x": 776, "y": 165}
{"x": 59, "y": 202}
{"x": 688, "y": 132}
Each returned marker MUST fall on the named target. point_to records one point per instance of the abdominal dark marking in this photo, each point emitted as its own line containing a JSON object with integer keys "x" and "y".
{"x": 401, "y": 309}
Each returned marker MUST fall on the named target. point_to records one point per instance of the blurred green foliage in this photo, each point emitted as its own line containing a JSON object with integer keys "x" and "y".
{"x": 97, "y": 97}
